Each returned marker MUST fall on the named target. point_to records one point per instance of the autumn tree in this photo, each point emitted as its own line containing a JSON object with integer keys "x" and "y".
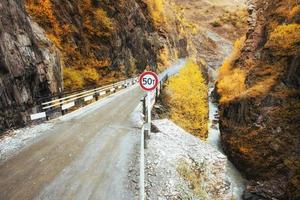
{"x": 188, "y": 100}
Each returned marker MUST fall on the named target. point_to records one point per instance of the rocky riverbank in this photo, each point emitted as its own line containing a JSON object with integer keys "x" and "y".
{"x": 179, "y": 165}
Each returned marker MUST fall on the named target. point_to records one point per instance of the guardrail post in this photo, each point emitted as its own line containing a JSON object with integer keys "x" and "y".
{"x": 144, "y": 108}
{"x": 160, "y": 87}
{"x": 146, "y": 133}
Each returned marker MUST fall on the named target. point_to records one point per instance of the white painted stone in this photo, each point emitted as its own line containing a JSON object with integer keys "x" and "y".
{"x": 89, "y": 98}
{"x": 68, "y": 105}
{"x": 38, "y": 116}
{"x": 102, "y": 93}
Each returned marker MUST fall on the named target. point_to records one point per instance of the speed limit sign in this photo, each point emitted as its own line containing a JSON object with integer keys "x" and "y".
{"x": 148, "y": 81}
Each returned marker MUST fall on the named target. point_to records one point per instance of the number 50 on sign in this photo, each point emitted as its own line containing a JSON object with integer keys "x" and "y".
{"x": 148, "y": 81}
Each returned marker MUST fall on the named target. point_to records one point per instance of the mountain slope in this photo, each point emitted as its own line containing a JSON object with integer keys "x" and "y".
{"x": 102, "y": 41}
{"x": 51, "y": 46}
{"x": 259, "y": 96}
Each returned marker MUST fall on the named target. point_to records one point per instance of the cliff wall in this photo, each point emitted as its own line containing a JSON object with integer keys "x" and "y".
{"x": 260, "y": 101}
{"x": 29, "y": 65}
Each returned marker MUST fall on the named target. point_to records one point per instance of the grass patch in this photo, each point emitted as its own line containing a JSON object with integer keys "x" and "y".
{"x": 192, "y": 173}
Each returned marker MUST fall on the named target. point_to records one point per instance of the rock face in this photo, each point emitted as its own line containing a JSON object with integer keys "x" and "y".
{"x": 114, "y": 39}
{"x": 181, "y": 166}
{"x": 29, "y": 65}
{"x": 102, "y": 41}
{"x": 260, "y": 128}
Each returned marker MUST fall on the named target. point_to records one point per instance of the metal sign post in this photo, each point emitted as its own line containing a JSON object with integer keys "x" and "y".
{"x": 149, "y": 111}
{"x": 148, "y": 82}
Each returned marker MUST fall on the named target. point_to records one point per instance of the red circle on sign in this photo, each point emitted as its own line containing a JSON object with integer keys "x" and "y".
{"x": 154, "y": 75}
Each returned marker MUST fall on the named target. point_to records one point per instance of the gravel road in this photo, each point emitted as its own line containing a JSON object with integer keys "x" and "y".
{"x": 84, "y": 155}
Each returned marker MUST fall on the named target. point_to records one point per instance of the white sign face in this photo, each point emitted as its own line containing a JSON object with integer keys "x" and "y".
{"x": 148, "y": 81}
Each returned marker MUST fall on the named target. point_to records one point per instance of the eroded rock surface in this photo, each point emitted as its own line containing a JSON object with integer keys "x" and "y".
{"x": 29, "y": 65}
{"x": 260, "y": 127}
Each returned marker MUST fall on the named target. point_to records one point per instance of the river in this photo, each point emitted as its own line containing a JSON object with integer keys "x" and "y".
{"x": 214, "y": 139}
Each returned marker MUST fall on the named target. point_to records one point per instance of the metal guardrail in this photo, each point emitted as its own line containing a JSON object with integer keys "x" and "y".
{"x": 62, "y": 103}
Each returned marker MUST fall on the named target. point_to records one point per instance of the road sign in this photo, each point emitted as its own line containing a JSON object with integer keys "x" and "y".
{"x": 148, "y": 81}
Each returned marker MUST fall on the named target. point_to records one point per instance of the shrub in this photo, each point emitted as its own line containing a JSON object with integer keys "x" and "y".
{"x": 188, "y": 100}
{"x": 194, "y": 174}
{"x": 101, "y": 16}
{"x": 232, "y": 85}
{"x": 284, "y": 37}
{"x": 226, "y": 68}
{"x": 231, "y": 82}
{"x": 156, "y": 9}
{"x": 73, "y": 79}
{"x": 215, "y": 24}
{"x": 80, "y": 57}
{"x": 90, "y": 75}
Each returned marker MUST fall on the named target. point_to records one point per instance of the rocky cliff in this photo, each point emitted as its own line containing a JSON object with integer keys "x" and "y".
{"x": 259, "y": 90}
{"x": 49, "y": 46}
{"x": 103, "y": 41}
{"x": 29, "y": 65}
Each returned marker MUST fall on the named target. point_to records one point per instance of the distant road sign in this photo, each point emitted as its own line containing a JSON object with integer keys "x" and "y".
{"x": 148, "y": 81}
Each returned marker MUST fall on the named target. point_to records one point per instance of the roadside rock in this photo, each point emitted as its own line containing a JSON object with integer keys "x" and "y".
{"x": 176, "y": 160}
{"x": 29, "y": 65}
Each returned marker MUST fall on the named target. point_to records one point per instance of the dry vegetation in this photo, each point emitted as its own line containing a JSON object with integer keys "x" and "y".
{"x": 232, "y": 78}
{"x": 193, "y": 174}
{"x": 282, "y": 40}
{"x": 156, "y": 9}
{"x": 231, "y": 82}
{"x": 81, "y": 64}
{"x": 236, "y": 18}
{"x": 188, "y": 100}
{"x": 285, "y": 37}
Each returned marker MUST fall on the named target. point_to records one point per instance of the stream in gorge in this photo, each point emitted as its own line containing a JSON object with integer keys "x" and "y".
{"x": 214, "y": 139}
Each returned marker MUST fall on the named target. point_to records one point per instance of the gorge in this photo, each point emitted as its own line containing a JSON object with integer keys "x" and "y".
{"x": 244, "y": 55}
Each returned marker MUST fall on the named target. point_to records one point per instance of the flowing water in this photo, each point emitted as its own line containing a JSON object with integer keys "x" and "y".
{"x": 214, "y": 139}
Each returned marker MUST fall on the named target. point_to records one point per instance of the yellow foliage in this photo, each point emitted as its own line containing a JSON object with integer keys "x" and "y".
{"x": 156, "y": 9}
{"x": 226, "y": 68}
{"x": 73, "y": 79}
{"x": 232, "y": 85}
{"x": 284, "y": 37}
{"x": 101, "y": 16}
{"x": 231, "y": 82}
{"x": 42, "y": 11}
{"x": 290, "y": 11}
{"x": 78, "y": 57}
{"x": 90, "y": 75}
{"x": 188, "y": 100}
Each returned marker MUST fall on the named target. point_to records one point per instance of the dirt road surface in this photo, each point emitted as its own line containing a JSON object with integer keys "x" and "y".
{"x": 84, "y": 155}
